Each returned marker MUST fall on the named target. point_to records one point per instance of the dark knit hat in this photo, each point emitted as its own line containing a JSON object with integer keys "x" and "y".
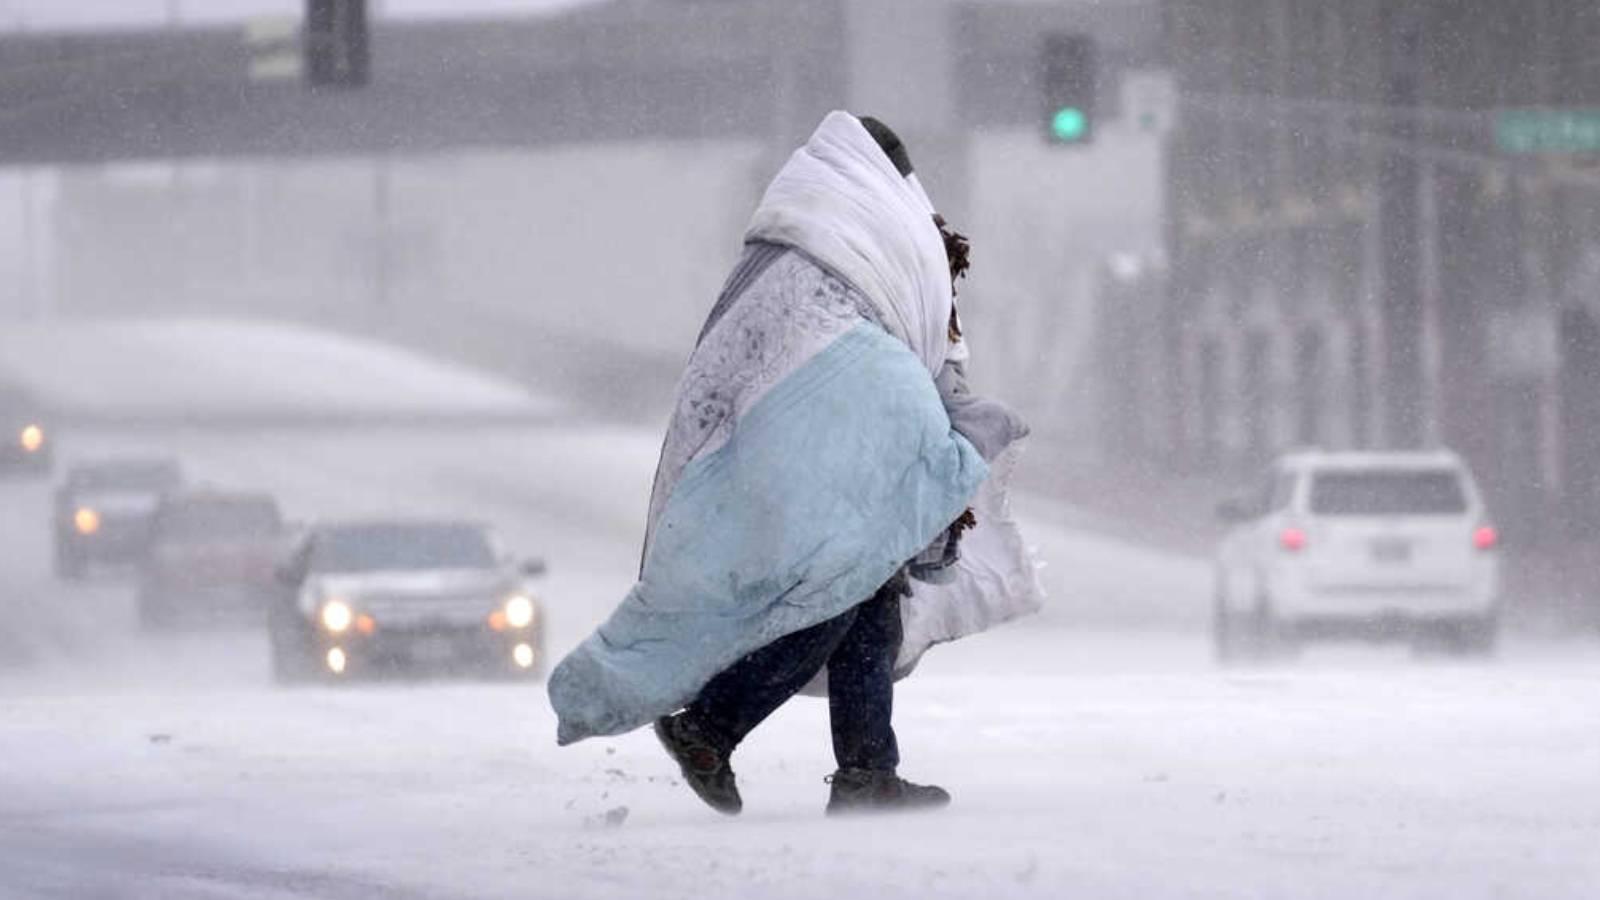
{"x": 890, "y": 142}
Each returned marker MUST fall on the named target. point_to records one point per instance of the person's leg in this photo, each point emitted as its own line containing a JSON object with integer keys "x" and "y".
{"x": 861, "y": 684}
{"x": 861, "y": 705}
{"x": 733, "y": 703}
{"x": 702, "y": 737}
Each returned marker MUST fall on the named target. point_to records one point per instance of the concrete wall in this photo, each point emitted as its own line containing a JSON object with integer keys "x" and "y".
{"x": 622, "y": 242}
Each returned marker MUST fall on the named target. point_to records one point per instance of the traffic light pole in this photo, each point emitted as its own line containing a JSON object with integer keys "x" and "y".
{"x": 1400, "y": 230}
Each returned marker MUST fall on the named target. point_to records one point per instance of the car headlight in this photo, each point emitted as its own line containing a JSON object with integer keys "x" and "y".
{"x": 86, "y": 520}
{"x": 337, "y": 616}
{"x": 31, "y": 438}
{"x": 519, "y": 611}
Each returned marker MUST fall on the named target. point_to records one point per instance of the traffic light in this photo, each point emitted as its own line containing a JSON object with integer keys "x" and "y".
{"x": 1068, "y": 79}
{"x": 337, "y": 50}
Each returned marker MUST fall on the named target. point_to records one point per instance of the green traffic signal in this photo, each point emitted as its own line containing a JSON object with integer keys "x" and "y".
{"x": 1069, "y": 124}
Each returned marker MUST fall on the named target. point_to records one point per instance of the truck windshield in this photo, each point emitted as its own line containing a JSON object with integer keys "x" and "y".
{"x": 220, "y": 519}
{"x": 402, "y": 547}
{"x": 152, "y": 477}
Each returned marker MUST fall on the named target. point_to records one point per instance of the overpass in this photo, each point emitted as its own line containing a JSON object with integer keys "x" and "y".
{"x": 642, "y": 69}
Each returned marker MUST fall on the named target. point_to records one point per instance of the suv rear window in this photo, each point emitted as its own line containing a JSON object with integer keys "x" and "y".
{"x": 1411, "y": 492}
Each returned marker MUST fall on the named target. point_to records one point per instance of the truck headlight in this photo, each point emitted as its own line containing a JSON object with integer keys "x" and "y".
{"x": 519, "y": 611}
{"x": 86, "y": 520}
{"x": 337, "y": 616}
{"x": 31, "y": 438}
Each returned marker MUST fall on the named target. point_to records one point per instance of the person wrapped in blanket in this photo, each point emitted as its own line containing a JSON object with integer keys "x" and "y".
{"x": 831, "y": 498}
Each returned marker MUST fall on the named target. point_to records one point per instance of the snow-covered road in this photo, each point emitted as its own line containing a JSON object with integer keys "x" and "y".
{"x": 1085, "y": 761}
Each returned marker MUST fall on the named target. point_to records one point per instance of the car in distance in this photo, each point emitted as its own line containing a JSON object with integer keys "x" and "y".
{"x": 362, "y": 597}
{"x": 26, "y": 443}
{"x": 104, "y": 509}
{"x": 1368, "y": 545}
{"x": 211, "y": 558}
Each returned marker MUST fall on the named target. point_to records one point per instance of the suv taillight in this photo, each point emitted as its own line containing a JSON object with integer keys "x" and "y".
{"x": 1485, "y": 538}
{"x": 1292, "y": 540}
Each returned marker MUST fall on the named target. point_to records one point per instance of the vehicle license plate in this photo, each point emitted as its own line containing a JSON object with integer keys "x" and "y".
{"x": 433, "y": 649}
{"x": 1392, "y": 551}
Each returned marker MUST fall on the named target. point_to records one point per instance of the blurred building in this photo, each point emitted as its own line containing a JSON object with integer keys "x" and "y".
{"x": 1365, "y": 252}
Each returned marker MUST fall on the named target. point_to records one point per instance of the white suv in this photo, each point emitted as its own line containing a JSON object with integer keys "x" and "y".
{"x": 1374, "y": 545}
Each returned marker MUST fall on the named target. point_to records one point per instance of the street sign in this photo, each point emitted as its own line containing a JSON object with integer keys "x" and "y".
{"x": 274, "y": 43}
{"x": 1548, "y": 131}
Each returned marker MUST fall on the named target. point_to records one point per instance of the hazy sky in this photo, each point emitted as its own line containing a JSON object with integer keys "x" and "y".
{"x": 53, "y": 14}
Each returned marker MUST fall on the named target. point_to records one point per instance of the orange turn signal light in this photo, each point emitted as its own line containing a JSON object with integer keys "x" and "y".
{"x": 497, "y": 620}
{"x": 366, "y": 624}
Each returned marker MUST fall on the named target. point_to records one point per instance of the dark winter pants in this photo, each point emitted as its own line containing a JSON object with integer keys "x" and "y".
{"x": 859, "y": 649}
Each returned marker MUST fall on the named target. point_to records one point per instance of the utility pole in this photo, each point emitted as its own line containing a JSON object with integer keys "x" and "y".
{"x": 30, "y": 251}
{"x": 26, "y": 253}
{"x": 382, "y": 264}
{"x": 1400, "y": 224}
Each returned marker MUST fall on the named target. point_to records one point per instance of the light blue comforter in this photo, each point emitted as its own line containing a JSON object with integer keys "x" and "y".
{"x": 839, "y": 473}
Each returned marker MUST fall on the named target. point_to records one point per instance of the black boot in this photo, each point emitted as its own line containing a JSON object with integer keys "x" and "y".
{"x": 703, "y": 760}
{"x": 873, "y": 790}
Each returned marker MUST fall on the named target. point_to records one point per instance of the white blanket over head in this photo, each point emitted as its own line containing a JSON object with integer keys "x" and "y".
{"x": 841, "y": 200}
